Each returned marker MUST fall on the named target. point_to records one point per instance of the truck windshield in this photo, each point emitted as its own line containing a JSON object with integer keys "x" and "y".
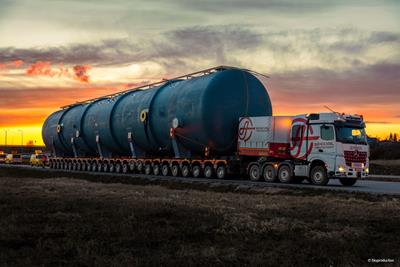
{"x": 351, "y": 135}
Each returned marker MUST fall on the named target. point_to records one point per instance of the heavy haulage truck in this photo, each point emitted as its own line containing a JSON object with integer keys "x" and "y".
{"x": 211, "y": 123}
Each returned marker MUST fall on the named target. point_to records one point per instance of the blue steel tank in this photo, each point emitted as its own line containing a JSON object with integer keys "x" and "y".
{"x": 205, "y": 111}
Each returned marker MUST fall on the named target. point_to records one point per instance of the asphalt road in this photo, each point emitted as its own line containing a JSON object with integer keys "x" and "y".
{"x": 365, "y": 186}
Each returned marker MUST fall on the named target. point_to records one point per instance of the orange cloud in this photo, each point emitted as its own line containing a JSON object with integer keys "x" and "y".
{"x": 45, "y": 68}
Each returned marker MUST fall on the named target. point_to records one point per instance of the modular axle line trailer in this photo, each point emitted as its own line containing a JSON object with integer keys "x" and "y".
{"x": 212, "y": 123}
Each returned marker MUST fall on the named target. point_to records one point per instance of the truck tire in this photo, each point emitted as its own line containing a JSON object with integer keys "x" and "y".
{"x": 269, "y": 173}
{"x": 254, "y": 172}
{"x": 319, "y": 176}
{"x": 285, "y": 174}
{"x": 347, "y": 181}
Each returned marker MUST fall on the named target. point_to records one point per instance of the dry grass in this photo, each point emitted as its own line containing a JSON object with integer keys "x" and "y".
{"x": 63, "y": 221}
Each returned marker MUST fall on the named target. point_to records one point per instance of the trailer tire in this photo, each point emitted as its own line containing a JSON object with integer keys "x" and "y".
{"x": 318, "y": 175}
{"x": 208, "y": 171}
{"x": 196, "y": 171}
{"x": 254, "y": 172}
{"x": 111, "y": 168}
{"x": 347, "y": 181}
{"x": 99, "y": 167}
{"x": 105, "y": 167}
{"x": 156, "y": 169}
{"x": 118, "y": 167}
{"x": 185, "y": 170}
{"x": 125, "y": 168}
{"x": 147, "y": 169}
{"x": 221, "y": 172}
{"x": 165, "y": 170}
{"x": 269, "y": 173}
{"x": 175, "y": 170}
{"x": 285, "y": 174}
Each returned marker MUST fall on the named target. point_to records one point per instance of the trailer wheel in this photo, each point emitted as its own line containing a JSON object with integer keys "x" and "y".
{"x": 78, "y": 166}
{"x": 254, "y": 172}
{"x": 165, "y": 170}
{"x": 140, "y": 166}
{"x": 94, "y": 166}
{"x": 105, "y": 167}
{"x": 111, "y": 167}
{"x": 99, "y": 167}
{"x": 319, "y": 176}
{"x": 132, "y": 166}
{"x": 221, "y": 172}
{"x": 156, "y": 169}
{"x": 269, "y": 173}
{"x": 70, "y": 166}
{"x": 208, "y": 171}
{"x": 196, "y": 170}
{"x": 125, "y": 168}
{"x": 74, "y": 166}
{"x": 185, "y": 170}
{"x": 347, "y": 181}
{"x": 175, "y": 170}
{"x": 285, "y": 174}
{"x": 147, "y": 169}
{"x": 118, "y": 167}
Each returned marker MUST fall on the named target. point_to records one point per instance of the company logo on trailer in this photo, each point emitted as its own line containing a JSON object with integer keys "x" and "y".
{"x": 245, "y": 129}
{"x": 300, "y": 138}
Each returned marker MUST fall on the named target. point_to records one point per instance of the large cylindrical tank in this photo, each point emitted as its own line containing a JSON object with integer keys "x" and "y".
{"x": 207, "y": 109}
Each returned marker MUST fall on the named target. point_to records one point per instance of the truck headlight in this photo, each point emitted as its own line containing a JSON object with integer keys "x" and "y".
{"x": 341, "y": 169}
{"x": 366, "y": 170}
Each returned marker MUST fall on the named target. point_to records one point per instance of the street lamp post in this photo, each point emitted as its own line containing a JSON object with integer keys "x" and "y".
{"x": 5, "y": 136}
{"x": 22, "y": 136}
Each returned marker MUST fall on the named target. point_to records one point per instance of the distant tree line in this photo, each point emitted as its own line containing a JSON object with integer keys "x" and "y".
{"x": 388, "y": 148}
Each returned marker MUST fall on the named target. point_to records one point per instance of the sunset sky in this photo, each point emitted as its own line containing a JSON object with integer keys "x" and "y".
{"x": 344, "y": 53}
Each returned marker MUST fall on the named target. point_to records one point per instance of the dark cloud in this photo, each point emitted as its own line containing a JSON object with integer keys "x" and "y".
{"x": 173, "y": 47}
{"x": 378, "y": 83}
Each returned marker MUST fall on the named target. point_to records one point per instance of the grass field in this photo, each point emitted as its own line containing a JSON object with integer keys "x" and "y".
{"x": 55, "y": 221}
{"x": 385, "y": 166}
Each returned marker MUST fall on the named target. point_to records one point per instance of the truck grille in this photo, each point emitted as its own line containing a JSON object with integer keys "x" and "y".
{"x": 355, "y": 157}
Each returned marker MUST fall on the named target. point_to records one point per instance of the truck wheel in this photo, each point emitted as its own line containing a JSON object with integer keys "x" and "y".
{"x": 175, "y": 170}
{"x": 285, "y": 174}
{"x": 165, "y": 170}
{"x": 221, "y": 172}
{"x": 196, "y": 170}
{"x": 208, "y": 171}
{"x": 254, "y": 172}
{"x": 185, "y": 170}
{"x": 347, "y": 181}
{"x": 125, "y": 168}
{"x": 269, "y": 173}
{"x": 156, "y": 169}
{"x": 147, "y": 169}
{"x": 319, "y": 176}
